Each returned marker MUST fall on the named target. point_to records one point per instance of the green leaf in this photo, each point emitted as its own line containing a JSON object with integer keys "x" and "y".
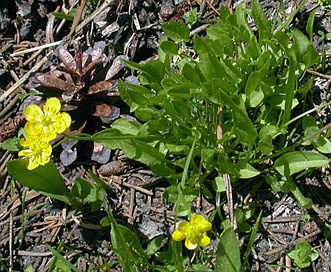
{"x": 252, "y": 239}
{"x": 253, "y": 90}
{"x": 246, "y": 171}
{"x": 134, "y": 95}
{"x": 181, "y": 91}
{"x": 126, "y": 245}
{"x": 154, "y": 245}
{"x": 201, "y": 268}
{"x": 11, "y": 144}
{"x": 311, "y": 56}
{"x": 29, "y": 269}
{"x": 219, "y": 184}
{"x": 278, "y": 185}
{"x": 125, "y": 135}
{"x": 88, "y": 192}
{"x": 304, "y": 202}
{"x": 231, "y": 73}
{"x": 182, "y": 197}
{"x": 228, "y": 253}
{"x": 310, "y": 25}
{"x": 153, "y": 71}
{"x": 126, "y": 126}
{"x": 297, "y": 161}
{"x": 320, "y": 142}
{"x": 242, "y": 29}
{"x": 259, "y": 17}
{"x": 305, "y": 88}
{"x": 44, "y": 179}
{"x": 267, "y": 134}
{"x": 105, "y": 222}
{"x": 63, "y": 261}
{"x": 208, "y": 158}
{"x": 173, "y": 192}
{"x": 303, "y": 254}
{"x": 210, "y": 66}
{"x": 190, "y": 17}
{"x": 283, "y": 38}
{"x": 176, "y": 31}
{"x": 69, "y": 17}
{"x": 169, "y": 47}
{"x": 192, "y": 73}
{"x": 225, "y": 165}
{"x": 223, "y": 43}
{"x": 300, "y": 42}
{"x": 243, "y": 126}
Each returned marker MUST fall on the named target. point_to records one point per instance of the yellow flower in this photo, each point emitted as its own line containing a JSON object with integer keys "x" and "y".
{"x": 46, "y": 123}
{"x": 194, "y": 232}
{"x": 37, "y": 150}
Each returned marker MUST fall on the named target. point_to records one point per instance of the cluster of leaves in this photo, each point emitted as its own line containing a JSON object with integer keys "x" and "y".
{"x": 227, "y": 104}
{"x": 227, "y": 101}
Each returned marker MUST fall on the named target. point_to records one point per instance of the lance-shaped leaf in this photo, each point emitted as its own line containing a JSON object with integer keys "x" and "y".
{"x": 44, "y": 179}
{"x": 294, "y": 162}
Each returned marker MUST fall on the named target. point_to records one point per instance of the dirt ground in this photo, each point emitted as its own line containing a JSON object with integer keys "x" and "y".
{"x": 132, "y": 29}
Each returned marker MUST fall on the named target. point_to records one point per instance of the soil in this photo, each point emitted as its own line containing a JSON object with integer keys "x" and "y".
{"x": 29, "y": 221}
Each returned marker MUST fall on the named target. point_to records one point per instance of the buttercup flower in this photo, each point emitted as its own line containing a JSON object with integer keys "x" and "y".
{"x": 194, "y": 232}
{"x": 46, "y": 123}
{"x": 37, "y": 150}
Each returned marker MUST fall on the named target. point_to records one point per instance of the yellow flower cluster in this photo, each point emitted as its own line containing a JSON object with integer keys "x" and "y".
{"x": 42, "y": 127}
{"x": 194, "y": 232}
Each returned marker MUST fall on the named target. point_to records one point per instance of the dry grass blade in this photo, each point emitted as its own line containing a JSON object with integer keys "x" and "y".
{"x": 78, "y": 16}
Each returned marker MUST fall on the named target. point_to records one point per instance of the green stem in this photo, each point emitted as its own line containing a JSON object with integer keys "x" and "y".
{"x": 305, "y": 113}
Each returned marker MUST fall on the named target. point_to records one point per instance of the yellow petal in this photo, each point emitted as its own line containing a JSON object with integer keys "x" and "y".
{"x": 37, "y": 150}
{"x": 43, "y": 160}
{"x": 62, "y": 122}
{"x": 52, "y": 106}
{"x": 184, "y": 225}
{"x": 200, "y": 223}
{"x": 205, "y": 241}
{"x": 32, "y": 164}
{"x": 189, "y": 245}
{"x": 178, "y": 236}
{"x": 24, "y": 153}
{"x": 66, "y": 119}
{"x": 33, "y": 128}
{"x": 46, "y": 148}
{"x": 33, "y": 113}
{"x": 23, "y": 143}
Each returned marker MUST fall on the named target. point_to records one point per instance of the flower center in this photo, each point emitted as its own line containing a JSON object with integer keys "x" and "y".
{"x": 193, "y": 233}
{"x": 47, "y": 121}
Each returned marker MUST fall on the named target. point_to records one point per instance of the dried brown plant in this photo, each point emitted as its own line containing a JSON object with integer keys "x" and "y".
{"x": 85, "y": 83}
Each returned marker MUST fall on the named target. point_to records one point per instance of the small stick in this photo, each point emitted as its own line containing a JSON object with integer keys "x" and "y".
{"x": 36, "y": 48}
{"x": 77, "y": 17}
{"x": 229, "y": 197}
{"x": 314, "y": 73}
{"x": 288, "y": 264}
{"x": 33, "y": 254}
